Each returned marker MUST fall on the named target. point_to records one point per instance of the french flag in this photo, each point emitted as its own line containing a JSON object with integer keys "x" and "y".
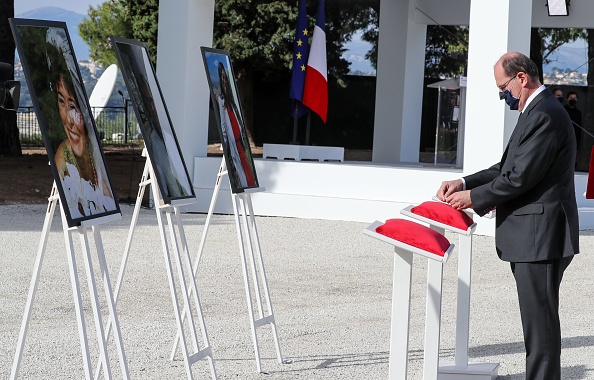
{"x": 315, "y": 91}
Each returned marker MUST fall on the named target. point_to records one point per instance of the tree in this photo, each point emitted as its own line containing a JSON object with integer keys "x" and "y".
{"x": 9, "y": 132}
{"x": 260, "y": 35}
{"x": 108, "y": 19}
{"x": 544, "y": 42}
{"x": 134, "y": 19}
{"x": 446, "y": 51}
{"x": 144, "y": 20}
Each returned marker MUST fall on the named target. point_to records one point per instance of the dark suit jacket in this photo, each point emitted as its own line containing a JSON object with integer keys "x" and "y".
{"x": 533, "y": 187}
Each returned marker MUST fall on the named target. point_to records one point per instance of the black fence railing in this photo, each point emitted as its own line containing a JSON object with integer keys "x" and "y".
{"x": 116, "y": 126}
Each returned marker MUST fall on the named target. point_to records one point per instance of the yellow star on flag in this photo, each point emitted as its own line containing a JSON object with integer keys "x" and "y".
{"x": 299, "y": 42}
{"x": 302, "y": 67}
{"x": 298, "y": 55}
{"x": 305, "y": 32}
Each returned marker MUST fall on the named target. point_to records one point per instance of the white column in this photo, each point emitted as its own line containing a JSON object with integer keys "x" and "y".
{"x": 399, "y": 91}
{"x": 183, "y": 28}
{"x": 495, "y": 28}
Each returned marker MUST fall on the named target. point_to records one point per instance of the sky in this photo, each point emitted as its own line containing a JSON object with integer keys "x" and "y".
{"x": 78, "y": 6}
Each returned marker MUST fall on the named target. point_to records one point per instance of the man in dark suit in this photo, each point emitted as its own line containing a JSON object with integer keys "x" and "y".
{"x": 532, "y": 188}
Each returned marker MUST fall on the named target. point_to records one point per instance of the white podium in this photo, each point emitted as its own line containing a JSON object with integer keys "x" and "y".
{"x": 401, "y": 296}
{"x": 460, "y": 368}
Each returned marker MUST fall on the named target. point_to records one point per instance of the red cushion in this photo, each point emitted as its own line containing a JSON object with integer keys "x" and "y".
{"x": 443, "y": 213}
{"x": 415, "y": 234}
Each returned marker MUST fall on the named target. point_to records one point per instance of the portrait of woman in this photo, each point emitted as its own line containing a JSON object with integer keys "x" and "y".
{"x": 232, "y": 125}
{"x": 226, "y": 109}
{"x": 81, "y": 170}
{"x": 65, "y": 120}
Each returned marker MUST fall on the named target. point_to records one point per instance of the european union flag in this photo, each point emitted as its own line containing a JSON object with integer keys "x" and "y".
{"x": 300, "y": 57}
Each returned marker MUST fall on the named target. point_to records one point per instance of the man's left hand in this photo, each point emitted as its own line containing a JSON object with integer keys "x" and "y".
{"x": 460, "y": 200}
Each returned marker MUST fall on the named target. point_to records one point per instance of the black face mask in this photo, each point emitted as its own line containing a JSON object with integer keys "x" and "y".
{"x": 511, "y": 100}
{"x": 560, "y": 99}
{"x": 572, "y": 102}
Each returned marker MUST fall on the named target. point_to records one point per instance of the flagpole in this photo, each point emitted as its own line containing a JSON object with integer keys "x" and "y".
{"x": 307, "y": 128}
{"x": 295, "y": 119}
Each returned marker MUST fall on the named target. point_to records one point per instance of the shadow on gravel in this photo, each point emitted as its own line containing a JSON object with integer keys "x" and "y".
{"x": 518, "y": 347}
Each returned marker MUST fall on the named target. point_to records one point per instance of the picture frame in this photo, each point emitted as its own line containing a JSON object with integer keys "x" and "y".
{"x": 230, "y": 120}
{"x": 155, "y": 123}
{"x": 65, "y": 120}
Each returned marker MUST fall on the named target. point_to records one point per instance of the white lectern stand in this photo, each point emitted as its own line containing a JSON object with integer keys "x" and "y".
{"x": 82, "y": 231}
{"x": 460, "y": 369}
{"x": 247, "y": 236}
{"x": 183, "y": 265}
{"x": 401, "y": 294}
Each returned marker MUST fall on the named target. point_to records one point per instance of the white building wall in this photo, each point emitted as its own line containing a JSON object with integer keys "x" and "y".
{"x": 389, "y": 99}
{"x": 183, "y": 28}
{"x": 495, "y": 28}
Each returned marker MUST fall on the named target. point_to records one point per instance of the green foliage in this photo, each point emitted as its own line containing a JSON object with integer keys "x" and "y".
{"x": 446, "y": 51}
{"x": 108, "y": 19}
{"x": 143, "y": 17}
{"x": 260, "y": 34}
{"x": 134, "y": 19}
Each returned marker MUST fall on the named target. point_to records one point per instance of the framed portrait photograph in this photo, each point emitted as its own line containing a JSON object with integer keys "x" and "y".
{"x": 155, "y": 124}
{"x": 65, "y": 119}
{"x": 230, "y": 121}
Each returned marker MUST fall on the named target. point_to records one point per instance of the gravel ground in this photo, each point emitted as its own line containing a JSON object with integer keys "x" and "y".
{"x": 331, "y": 291}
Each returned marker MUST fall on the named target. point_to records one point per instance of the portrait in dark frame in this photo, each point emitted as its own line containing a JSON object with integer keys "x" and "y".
{"x": 155, "y": 124}
{"x": 230, "y": 121}
{"x": 65, "y": 119}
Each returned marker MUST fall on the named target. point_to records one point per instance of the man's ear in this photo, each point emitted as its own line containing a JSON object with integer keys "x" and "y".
{"x": 523, "y": 78}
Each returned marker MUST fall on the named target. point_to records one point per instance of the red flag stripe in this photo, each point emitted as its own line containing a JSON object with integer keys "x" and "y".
{"x": 315, "y": 92}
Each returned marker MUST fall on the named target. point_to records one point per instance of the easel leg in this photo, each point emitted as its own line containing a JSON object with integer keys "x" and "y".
{"x": 110, "y": 304}
{"x": 265, "y": 280}
{"x": 174, "y": 293}
{"x": 95, "y": 302}
{"x": 182, "y": 279}
{"x": 213, "y": 201}
{"x": 77, "y": 298}
{"x": 248, "y": 294}
{"x": 49, "y": 215}
{"x": 142, "y": 187}
{"x": 206, "y": 351}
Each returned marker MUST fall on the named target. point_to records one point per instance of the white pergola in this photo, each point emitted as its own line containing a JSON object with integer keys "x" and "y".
{"x": 394, "y": 178}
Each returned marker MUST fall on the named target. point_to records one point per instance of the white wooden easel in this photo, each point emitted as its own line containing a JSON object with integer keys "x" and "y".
{"x": 82, "y": 232}
{"x": 245, "y": 223}
{"x": 149, "y": 178}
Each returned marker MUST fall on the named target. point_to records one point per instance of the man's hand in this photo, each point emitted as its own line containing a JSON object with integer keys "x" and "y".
{"x": 460, "y": 200}
{"x": 448, "y": 188}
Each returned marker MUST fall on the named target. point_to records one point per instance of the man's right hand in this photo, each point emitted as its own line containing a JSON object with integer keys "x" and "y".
{"x": 448, "y": 188}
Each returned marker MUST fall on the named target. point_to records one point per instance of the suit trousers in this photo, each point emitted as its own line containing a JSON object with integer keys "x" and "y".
{"x": 538, "y": 294}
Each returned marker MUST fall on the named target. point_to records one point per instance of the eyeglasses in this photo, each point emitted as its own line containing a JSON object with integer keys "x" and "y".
{"x": 503, "y": 86}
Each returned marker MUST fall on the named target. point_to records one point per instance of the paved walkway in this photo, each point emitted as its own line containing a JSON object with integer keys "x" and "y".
{"x": 331, "y": 291}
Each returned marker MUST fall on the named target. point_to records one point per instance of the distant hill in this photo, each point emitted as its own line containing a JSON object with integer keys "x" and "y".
{"x": 72, "y": 19}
